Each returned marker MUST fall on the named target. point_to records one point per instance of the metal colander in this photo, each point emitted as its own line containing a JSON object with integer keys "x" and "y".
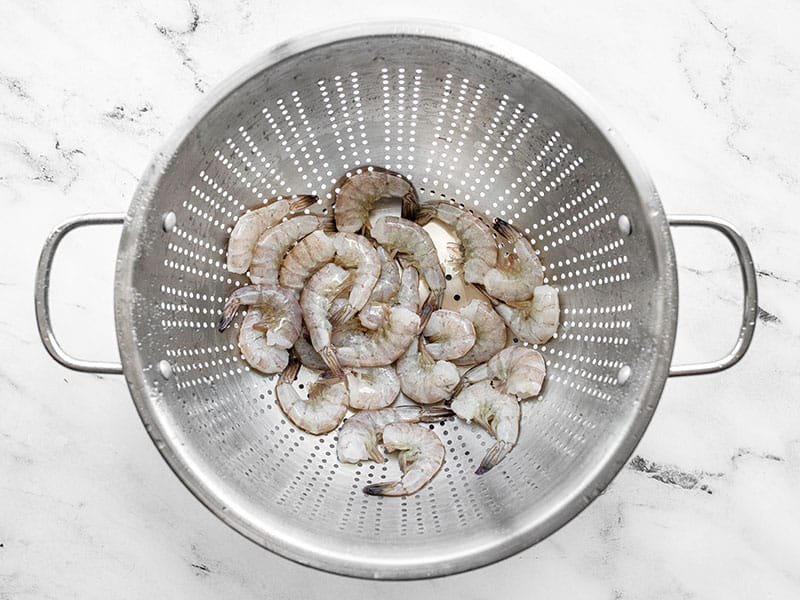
{"x": 469, "y": 119}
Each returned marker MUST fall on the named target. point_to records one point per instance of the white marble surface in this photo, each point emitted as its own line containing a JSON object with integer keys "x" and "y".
{"x": 705, "y": 92}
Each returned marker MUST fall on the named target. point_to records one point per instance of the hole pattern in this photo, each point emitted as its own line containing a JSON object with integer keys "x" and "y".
{"x": 401, "y": 93}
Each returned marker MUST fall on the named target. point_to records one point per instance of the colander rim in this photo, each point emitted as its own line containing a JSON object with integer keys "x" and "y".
{"x": 463, "y": 559}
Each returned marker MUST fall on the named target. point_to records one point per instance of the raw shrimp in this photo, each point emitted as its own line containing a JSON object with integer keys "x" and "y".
{"x": 408, "y": 294}
{"x": 421, "y": 456}
{"x": 302, "y": 261}
{"x": 414, "y": 247}
{"x": 476, "y": 251}
{"x": 389, "y": 281}
{"x": 495, "y": 411}
{"x": 306, "y": 354}
{"x": 355, "y": 252}
{"x": 371, "y": 316}
{"x": 448, "y": 335}
{"x": 535, "y": 320}
{"x": 490, "y": 333}
{"x": 321, "y": 411}
{"x": 515, "y": 370}
{"x": 360, "y": 434}
{"x": 374, "y": 315}
{"x": 345, "y": 249}
{"x": 372, "y": 388}
{"x": 381, "y": 346}
{"x": 424, "y": 379}
{"x": 276, "y": 241}
{"x": 399, "y": 325}
{"x": 315, "y": 302}
{"x": 282, "y": 318}
{"x": 517, "y": 272}
{"x": 352, "y": 332}
{"x": 257, "y": 351}
{"x": 355, "y": 195}
{"x": 520, "y": 371}
{"x": 252, "y": 224}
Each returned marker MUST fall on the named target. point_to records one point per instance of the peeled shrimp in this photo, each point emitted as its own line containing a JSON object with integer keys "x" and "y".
{"x": 490, "y": 333}
{"x": 517, "y": 272}
{"x": 381, "y": 346}
{"x": 495, "y": 411}
{"x": 321, "y": 411}
{"x": 535, "y": 320}
{"x": 375, "y": 315}
{"x": 398, "y": 326}
{"x": 275, "y": 242}
{"x": 345, "y": 249}
{"x": 389, "y": 281}
{"x": 252, "y": 224}
{"x": 315, "y": 301}
{"x": 424, "y": 379}
{"x": 372, "y": 388}
{"x": 256, "y": 349}
{"x": 476, "y": 249}
{"x": 385, "y": 290}
{"x": 352, "y": 332}
{"x": 448, "y": 335}
{"x": 360, "y": 434}
{"x": 515, "y": 370}
{"x": 281, "y": 315}
{"x": 421, "y": 456}
{"x": 414, "y": 247}
{"x": 355, "y": 194}
{"x": 355, "y": 252}
{"x": 407, "y": 295}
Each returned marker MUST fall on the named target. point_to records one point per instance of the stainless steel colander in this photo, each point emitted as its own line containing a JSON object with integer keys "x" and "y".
{"x": 470, "y": 119}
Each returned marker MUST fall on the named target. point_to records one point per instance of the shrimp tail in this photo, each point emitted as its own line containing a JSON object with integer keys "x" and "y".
{"x": 505, "y": 230}
{"x": 346, "y": 312}
{"x": 456, "y": 256}
{"x": 409, "y": 207}
{"x": 493, "y": 457}
{"x": 343, "y": 314}
{"x": 261, "y": 326}
{"x": 456, "y": 391}
{"x": 366, "y": 230}
{"x": 289, "y": 374}
{"x": 475, "y": 374}
{"x": 482, "y": 289}
{"x": 303, "y": 202}
{"x": 229, "y": 311}
{"x": 327, "y": 224}
{"x": 388, "y": 488}
{"x": 375, "y": 454}
{"x": 329, "y": 356}
{"x": 432, "y": 303}
{"x": 433, "y": 414}
{"x": 328, "y": 378}
{"x": 425, "y": 214}
{"x": 423, "y": 349}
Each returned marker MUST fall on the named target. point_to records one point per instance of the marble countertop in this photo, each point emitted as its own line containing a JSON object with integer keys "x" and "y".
{"x": 705, "y": 92}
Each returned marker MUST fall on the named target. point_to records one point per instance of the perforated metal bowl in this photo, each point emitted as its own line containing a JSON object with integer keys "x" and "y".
{"x": 470, "y": 119}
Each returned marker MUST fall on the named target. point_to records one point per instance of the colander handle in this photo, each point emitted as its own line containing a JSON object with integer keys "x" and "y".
{"x": 750, "y": 295}
{"x": 42, "y": 294}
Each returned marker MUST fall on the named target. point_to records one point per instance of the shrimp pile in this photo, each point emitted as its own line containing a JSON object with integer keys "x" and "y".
{"x": 355, "y": 298}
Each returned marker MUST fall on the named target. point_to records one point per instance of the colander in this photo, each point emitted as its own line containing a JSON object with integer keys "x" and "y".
{"x": 470, "y": 119}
